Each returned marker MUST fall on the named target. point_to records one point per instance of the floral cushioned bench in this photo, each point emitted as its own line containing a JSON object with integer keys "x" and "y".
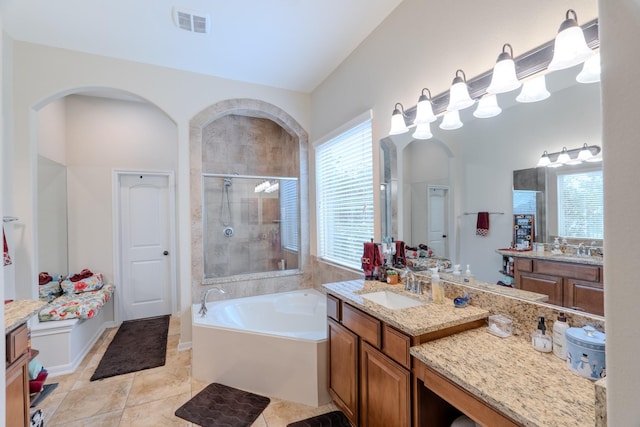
{"x": 80, "y": 299}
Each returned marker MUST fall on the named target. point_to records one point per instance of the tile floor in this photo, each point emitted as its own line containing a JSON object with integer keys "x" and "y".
{"x": 144, "y": 398}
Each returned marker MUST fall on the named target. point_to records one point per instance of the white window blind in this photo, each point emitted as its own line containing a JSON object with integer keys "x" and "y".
{"x": 289, "y": 213}
{"x": 344, "y": 191}
{"x": 581, "y": 205}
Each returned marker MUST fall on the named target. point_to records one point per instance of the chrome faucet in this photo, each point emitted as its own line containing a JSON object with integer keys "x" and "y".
{"x": 203, "y": 306}
{"x": 581, "y": 250}
{"x": 408, "y": 283}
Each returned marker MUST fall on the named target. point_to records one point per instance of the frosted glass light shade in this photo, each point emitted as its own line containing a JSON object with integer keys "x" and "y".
{"x": 504, "y": 78}
{"x": 487, "y": 107}
{"x": 563, "y": 157}
{"x": 459, "y": 98}
{"x": 424, "y": 112}
{"x": 534, "y": 90}
{"x": 590, "y": 70}
{"x": 423, "y": 131}
{"x": 544, "y": 160}
{"x": 398, "y": 124}
{"x": 451, "y": 120}
{"x": 570, "y": 47}
{"x": 585, "y": 154}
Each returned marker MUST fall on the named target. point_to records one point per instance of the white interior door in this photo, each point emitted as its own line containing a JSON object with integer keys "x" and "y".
{"x": 145, "y": 243}
{"x": 438, "y": 200}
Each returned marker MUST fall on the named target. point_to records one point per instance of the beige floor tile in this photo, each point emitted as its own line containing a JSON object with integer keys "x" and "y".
{"x": 174, "y": 325}
{"x": 260, "y": 422}
{"x": 50, "y": 404}
{"x": 84, "y": 380}
{"x": 65, "y": 382}
{"x": 159, "y": 383}
{"x": 178, "y": 358}
{"x": 111, "y": 419}
{"x": 156, "y": 413}
{"x": 97, "y": 399}
{"x": 197, "y": 386}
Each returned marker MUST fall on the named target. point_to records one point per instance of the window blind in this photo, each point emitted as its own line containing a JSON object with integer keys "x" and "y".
{"x": 344, "y": 191}
{"x": 581, "y": 205}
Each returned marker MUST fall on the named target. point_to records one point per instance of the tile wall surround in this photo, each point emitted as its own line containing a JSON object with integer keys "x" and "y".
{"x": 249, "y": 137}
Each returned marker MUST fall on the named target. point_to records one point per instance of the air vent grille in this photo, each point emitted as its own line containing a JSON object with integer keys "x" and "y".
{"x": 191, "y": 20}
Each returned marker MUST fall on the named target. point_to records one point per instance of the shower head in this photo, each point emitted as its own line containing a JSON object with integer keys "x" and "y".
{"x": 227, "y": 182}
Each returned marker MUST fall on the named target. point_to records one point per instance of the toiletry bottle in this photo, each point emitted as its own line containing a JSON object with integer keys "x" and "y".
{"x": 559, "y": 336}
{"x": 468, "y": 277}
{"x": 556, "y": 245}
{"x": 539, "y": 340}
{"x": 437, "y": 290}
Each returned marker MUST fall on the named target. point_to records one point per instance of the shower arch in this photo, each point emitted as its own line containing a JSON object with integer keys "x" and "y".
{"x": 256, "y": 109}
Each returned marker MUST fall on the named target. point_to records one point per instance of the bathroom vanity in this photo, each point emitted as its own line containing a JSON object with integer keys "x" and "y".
{"x": 17, "y": 313}
{"x": 569, "y": 281}
{"x": 427, "y": 364}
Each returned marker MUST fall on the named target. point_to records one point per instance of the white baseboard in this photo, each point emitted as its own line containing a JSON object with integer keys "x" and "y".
{"x": 184, "y": 346}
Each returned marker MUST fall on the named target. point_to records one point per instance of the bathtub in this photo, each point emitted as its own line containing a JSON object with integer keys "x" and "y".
{"x": 273, "y": 345}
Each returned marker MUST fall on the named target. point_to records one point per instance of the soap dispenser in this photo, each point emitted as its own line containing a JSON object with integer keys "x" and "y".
{"x": 437, "y": 290}
{"x": 539, "y": 340}
{"x": 468, "y": 277}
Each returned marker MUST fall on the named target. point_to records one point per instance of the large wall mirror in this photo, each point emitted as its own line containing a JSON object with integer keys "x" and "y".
{"x": 476, "y": 164}
{"x": 52, "y": 217}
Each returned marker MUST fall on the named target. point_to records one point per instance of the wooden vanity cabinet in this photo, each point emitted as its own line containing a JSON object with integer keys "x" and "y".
{"x": 369, "y": 367}
{"x": 17, "y": 377}
{"x": 571, "y": 285}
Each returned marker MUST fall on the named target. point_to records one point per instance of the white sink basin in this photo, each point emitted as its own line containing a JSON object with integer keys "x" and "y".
{"x": 391, "y": 300}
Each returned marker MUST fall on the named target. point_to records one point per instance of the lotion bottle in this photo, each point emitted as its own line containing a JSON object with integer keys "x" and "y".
{"x": 437, "y": 290}
{"x": 559, "y": 336}
{"x": 468, "y": 277}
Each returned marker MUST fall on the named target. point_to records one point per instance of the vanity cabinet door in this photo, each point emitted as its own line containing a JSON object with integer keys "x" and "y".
{"x": 542, "y": 284}
{"x": 343, "y": 369}
{"x": 584, "y": 296}
{"x": 384, "y": 390}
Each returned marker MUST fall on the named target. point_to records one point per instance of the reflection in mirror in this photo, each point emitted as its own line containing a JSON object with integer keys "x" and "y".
{"x": 52, "y": 217}
{"x": 568, "y": 202}
{"x": 250, "y": 225}
{"x": 482, "y": 156}
{"x": 388, "y": 159}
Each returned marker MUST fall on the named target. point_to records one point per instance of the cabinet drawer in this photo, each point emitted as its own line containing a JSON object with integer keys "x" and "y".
{"x": 396, "y": 345}
{"x": 572, "y": 271}
{"x": 333, "y": 307}
{"x": 523, "y": 264}
{"x": 367, "y": 327}
{"x": 17, "y": 343}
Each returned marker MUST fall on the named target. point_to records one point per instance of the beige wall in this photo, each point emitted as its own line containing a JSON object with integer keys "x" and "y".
{"x": 43, "y": 74}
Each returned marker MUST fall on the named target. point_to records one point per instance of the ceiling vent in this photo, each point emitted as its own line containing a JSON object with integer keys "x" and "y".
{"x": 191, "y": 20}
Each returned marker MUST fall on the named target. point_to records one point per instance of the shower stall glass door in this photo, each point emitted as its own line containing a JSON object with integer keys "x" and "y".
{"x": 250, "y": 224}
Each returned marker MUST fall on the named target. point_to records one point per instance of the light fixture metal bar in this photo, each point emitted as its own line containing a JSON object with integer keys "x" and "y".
{"x": 573, "y": 153}
{"x": 527, "y": 64}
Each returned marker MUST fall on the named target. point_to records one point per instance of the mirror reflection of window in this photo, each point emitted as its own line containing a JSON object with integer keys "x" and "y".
{"x": 580, "y": 205}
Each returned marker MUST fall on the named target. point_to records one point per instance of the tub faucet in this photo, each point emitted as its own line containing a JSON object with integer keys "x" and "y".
{"x": 203, "y": 307}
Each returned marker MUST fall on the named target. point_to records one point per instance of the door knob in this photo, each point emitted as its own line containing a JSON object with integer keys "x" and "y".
{"x": 165, "y": 253}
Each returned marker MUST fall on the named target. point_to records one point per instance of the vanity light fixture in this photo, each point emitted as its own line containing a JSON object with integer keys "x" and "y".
{"x": 586, "y": 153}
{"x": 423, "y": 131}
{"x": 570, "y": 47}
{"x": 459, "y": 98}
{"x": 487, "y": 107}
{"x": 534, "y": 90}
{"x": 504, "y": 78}
{"x": 398, "y": 124}
{"x": 424, "y": 109}
{"x": 273, "y": 187}
{"x": 590, "y": 70}
{"x": 544, "y": 160}
{"x": 262, "y": 187}
{"x": 451, "y": 120}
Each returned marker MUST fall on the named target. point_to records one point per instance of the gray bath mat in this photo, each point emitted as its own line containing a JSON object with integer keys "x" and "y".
{"x": 219, "y": 405}
{"x": 330, "y": 419}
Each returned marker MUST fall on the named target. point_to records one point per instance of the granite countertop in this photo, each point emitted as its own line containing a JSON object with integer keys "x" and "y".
{"x": 533, "y": 388}
{"x": 414, "y": 321}
{"x": 591, "y": 260}
{"x": 19, "y": 311}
